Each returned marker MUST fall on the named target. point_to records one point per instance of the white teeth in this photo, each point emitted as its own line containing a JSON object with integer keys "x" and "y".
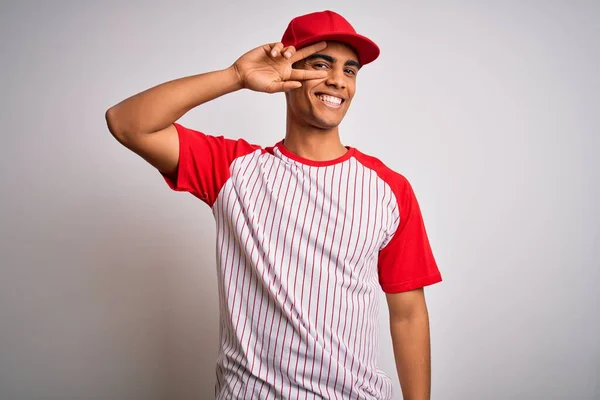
{"x": 330, "y": 99}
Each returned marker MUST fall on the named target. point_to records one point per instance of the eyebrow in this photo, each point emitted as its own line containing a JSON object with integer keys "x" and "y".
{"x": 330, "y": 59}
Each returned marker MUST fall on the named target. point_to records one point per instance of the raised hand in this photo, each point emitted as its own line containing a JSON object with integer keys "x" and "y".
{"x": 268, "y": 68}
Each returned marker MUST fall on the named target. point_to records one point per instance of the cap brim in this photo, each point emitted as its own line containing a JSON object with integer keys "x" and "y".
{"x": 366, "y": 49}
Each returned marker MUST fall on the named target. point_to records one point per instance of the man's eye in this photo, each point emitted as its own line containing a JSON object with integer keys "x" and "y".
{"x": 351, "y": 71}
{"x": 319, "y": 65}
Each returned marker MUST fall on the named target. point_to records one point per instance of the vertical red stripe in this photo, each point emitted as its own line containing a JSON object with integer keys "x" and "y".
{"x": 253, "y": 275}
{"x": 231, "y": 344}
{"x": 324, "y": 245}
{"x": 311, "y": 279}
{"x": 285, "y": 201}
{"x": 308, "y": 203}
{"x": 335, "y": 285}
{"x": 288, "y": 266}
{"x": 332, "y": 246}
{"x": 264, "y": 297}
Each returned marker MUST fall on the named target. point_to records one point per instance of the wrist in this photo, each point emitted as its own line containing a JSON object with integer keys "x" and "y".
{"x": 234, "y": 77}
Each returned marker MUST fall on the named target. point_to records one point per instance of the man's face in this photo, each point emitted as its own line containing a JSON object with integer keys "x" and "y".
{"x": 323, "y": 103}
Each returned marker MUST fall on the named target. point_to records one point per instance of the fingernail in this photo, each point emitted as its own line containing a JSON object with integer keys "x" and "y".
{"x": 274, "y": 53}
{"x": 288, "y": 54}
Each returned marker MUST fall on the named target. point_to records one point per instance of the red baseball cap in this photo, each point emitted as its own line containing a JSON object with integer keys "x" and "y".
{"x": 328, "y": 25}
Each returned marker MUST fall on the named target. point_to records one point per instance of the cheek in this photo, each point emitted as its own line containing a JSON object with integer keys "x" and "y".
{"x": 352, "y": 90}
{"x": 299, "y": 103}
{"x": 300, "y": 97}
{"x": 297, "y": 99}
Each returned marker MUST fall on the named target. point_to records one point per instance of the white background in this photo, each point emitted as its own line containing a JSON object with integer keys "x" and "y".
{"x": 490, "y": 109}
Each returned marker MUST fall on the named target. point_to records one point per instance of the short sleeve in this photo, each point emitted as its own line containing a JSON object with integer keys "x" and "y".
{"x": 204, "y": 162}
{"x": 407, "y": 262}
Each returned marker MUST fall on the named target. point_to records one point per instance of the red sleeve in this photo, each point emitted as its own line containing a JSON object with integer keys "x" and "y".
{"x": 204, "y": 162}
{"x": 406, "y": 262}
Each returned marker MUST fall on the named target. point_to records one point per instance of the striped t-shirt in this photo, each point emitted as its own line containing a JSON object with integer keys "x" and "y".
{"x": 303, "y": 249}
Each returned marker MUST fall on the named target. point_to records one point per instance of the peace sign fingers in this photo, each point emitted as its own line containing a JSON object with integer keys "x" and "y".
{"x": 277, "y": 49}
{"x": 307, "y": 51}
{"x": 304, "y": 74}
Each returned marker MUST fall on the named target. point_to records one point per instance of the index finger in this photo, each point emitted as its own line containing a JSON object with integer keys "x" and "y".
{"x": 307, "y": 51}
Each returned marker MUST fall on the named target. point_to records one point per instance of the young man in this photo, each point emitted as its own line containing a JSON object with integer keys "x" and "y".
{"x": 308, "y": 230}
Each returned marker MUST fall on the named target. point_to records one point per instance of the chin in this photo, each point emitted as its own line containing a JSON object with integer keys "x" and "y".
{"x": 326, "y": 121}
{"x": 322, "y": 123}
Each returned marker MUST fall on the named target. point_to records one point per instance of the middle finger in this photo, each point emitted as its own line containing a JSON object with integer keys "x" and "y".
{"x": 288, "y": 52}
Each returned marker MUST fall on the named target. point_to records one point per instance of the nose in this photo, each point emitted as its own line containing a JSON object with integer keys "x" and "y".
{"x": 336, "y": 78}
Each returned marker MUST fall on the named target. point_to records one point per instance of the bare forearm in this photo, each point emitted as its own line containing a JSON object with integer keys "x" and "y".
{"x": 158, "y": 107}
{"x": 411, "y": 342}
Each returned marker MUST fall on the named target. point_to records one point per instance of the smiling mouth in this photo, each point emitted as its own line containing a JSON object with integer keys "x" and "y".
{"x": 330, "y": 101}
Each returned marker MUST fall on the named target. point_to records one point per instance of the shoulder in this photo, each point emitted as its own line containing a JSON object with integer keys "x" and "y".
{"x": 396, "y": 180}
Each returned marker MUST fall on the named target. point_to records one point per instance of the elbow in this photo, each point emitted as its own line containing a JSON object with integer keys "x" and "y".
{"x": 112, "y": 122}
{"x": 110, "y": 118}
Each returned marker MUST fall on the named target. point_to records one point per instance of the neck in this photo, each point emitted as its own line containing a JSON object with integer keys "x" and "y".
{"x": 313, "y": 143}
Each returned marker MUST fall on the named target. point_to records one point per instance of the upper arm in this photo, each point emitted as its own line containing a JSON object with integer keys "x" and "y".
{"x": 189, "y": 160}
{"x": 405, "y": 305}
{"x": 160, "y": 148}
